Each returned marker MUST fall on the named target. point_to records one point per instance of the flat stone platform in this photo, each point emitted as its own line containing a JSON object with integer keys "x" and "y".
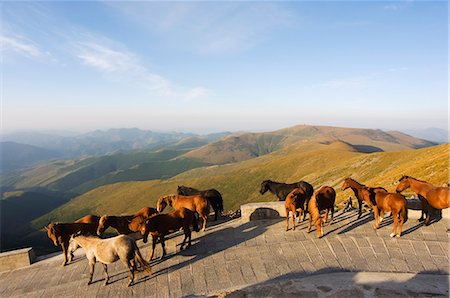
{"x": 258, "y": 258}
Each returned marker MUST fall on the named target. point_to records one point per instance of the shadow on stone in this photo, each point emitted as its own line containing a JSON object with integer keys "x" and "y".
{"x": 264, "y": 213}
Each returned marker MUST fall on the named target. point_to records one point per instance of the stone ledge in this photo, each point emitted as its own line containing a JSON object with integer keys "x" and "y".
{"x": 14, "y": 259}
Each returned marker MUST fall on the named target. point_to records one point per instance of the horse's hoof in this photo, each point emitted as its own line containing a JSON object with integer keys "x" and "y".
{"x": 392, "y": 235}
{"x": 398, "y": 235}
{"x": 106, "y": 283}
{"x": 421, "y": 219}
{"x": 129, "y": 284}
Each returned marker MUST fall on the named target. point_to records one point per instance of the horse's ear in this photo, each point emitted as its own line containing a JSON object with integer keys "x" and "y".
{"x": 46, "y": 228}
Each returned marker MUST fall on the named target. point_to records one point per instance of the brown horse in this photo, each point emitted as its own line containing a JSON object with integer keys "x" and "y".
{"x": 360, "y": 196}
{"x": 430, "y": 195}
{"x": 127, "y": 224}
{"x": 60, "y": 234}
{"x": 323, "y": 199}
{"x": 161, "y": 225}
{"x": 294, "y": 203}
{"x": 388, "y": 202}
{"x": 108, "y": 251}
{"x": 195, "y": 203}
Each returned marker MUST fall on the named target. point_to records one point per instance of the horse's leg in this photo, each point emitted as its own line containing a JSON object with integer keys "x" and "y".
{"x": 287, "y": 219}
{"x": 325, "y": 219}
{"x": 375, "y": 213}
{"x": 305, "y": 208}
{"x": 394, "y": 230}
{"x": 309, "y": 224}
{"x": 204, "y": 217}
{"x": 318, "y": 225}
{"x": 359, "y": 208}
{"x": 163, "y": 244}
{"x": 105, "y": 268}
{"x": 185, "y": 230}
{"x": 424, "y": 204}
{"x": 332, "y": 214}
{"x": 65, "y": 248}
{"x": 429, "y": 210}
{"x": 294, "y": 212}
{"x": 131, "y": 270}
{"x": 91, "y": 269}
{"x": 154, "y": 239}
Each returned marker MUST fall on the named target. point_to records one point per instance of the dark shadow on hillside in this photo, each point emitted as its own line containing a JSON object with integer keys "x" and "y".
{"x": 345, "y": 284}
{"x": 215, "y": 242}
{"x": 367, "y": 148}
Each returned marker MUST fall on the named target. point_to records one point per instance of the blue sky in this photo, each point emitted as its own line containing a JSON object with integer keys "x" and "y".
{"x": 214, "y": 66}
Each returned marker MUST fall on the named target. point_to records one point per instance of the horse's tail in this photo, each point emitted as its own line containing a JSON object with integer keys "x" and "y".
{"x": 195, "y": 223}
{"x": 138, "y": 257}
{"x": 219, "y": 202}
{"x": 404, "y": 213}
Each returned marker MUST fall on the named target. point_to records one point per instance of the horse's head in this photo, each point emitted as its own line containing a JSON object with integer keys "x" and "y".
{"x": 103, "y": 224}
{"x": 346, "y": 184}
{"x": 180, "y": 190}
{"x": 162, "y": 203}
{"x": 404, "y": 184}
{"x": 144, "y": 229}
{"x": 53, "y": 233}
{"x": 264, "y": 186}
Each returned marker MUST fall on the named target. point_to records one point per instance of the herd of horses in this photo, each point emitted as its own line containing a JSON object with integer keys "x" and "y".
{"x": 190, "y": 203}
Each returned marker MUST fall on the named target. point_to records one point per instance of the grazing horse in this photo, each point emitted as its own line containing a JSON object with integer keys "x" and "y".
{"x": 60, "y": 234}
{"x": 281, "y": 190}
{"x": 388, "y": 202}
{"x": 294, "y": 203}
{"x": 360, "y": 196}
{"x": 108, "y": 251}
{"x": 127, "y": 224}
{"x": 323, "y": 199}
{"x": 429, "y": 195}
{"x": 161, "y": 225}
{"x": 212, "y": 195}
{"x": 195, "y": 203}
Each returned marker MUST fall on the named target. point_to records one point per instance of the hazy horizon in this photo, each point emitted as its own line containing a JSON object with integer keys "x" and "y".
{"x": 207, "y": 67}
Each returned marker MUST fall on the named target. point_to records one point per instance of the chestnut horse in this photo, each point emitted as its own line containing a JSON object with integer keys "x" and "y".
{"x": 128, "y": 224}
{"x": 161, "y": 225}
{"x": 212, "y": 195}
{"x": 388, "y": 202}
{"x": 108, "y": 251}
{"x": 60, "y": 234}
{"x": 360, "y": 196}
{"x": 430, "y": 195}
{"x": 323, "y": 199}
{"x": 195, "y": 203}
{"x": 294, "y": 203}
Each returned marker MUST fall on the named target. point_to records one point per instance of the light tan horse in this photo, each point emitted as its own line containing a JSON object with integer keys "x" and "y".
{"x": 388, "y": 202}
{"x": 108, "y": 251}
{"x": 430, "y": 195}
{"x": 195, "y": 203}
{"x": 323, "y": 199}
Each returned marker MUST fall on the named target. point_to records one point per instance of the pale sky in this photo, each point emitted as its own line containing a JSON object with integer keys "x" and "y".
{"x": 216, "y": 66}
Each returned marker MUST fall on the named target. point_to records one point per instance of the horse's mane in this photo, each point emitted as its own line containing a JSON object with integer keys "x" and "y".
{"x": 354, "y": 181}
{"x": 406, "y": 177}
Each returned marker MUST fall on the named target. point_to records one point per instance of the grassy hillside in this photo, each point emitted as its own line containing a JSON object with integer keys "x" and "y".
{"x": 239, "y": 183}
{"x": 250, "y": 145}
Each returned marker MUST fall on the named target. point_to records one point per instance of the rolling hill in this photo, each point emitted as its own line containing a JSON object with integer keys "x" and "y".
{"x": 245, "y": 146}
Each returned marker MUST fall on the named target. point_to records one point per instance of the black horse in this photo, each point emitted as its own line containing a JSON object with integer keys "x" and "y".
{"x": 212, "y": 195}
{"x": 281, "y": 190}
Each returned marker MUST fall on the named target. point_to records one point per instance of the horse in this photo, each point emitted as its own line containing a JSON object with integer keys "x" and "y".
{"x": 108, "y": 251}
{"x": 430, "y": 196}
{"x": 212, "y": 195}
{"x": 161, "y": 225}
{"x": 323, "y": 199}
{"x": 294, "y": 203}
{"x": 357, "y": 189}
{"x": 388, "y": 202}
{"x": 281, "y": 190}
{"x": 60, "y": 234}
{"x": 127, "y": 224}
{"x": 195, "y": 203}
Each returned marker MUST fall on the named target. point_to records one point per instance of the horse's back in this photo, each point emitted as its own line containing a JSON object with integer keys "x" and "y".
{"x": 439, "y": 197}
{"x": 325, "y": 197}
{"x": 146, "y": 212}
{"x": 89, "y": 219}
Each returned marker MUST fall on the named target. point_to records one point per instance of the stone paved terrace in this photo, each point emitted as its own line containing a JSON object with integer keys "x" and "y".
{"x": 234, "y": 257}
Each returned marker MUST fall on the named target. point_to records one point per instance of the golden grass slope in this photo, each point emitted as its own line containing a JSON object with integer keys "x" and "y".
{"x": 239, "y": 183}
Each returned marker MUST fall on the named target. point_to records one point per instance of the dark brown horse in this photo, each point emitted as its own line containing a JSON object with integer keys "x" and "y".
{"x": 212, "y": 195}
{"x": 161, "y": 225}
{"x": 323, "y": 199}
{"x": 388, "y": 202}
{"x": 195, "y": 203}
{"x": 430, "y": 195}
{"x": 281, "y": 190}
{"x": 294, "y": 204}
{"x": 60, "y": 234}
{"x": 360, "y": 196}
{"x": 127, "y": 224}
